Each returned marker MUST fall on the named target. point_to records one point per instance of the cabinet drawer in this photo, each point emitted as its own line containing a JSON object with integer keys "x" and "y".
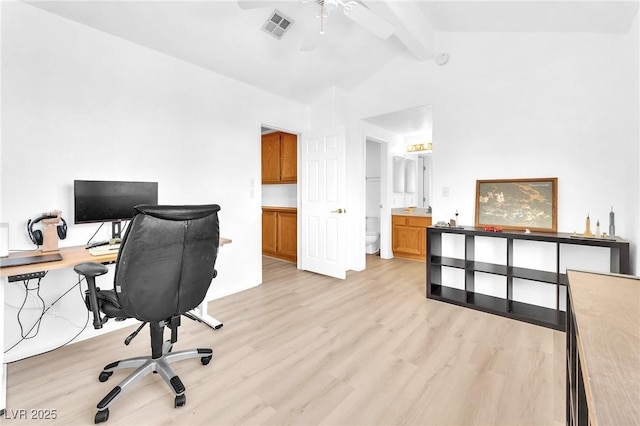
{"x": 419, "y": 221}
{"x": 399, "y": 220}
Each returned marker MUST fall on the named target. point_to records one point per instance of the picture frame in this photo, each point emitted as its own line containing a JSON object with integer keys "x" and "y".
{"x": 518, "y": 204}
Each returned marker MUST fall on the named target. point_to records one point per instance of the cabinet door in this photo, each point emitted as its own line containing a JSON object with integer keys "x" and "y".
{"x": 421, "y": 223}
{"x": 409, "y": 241}
{"x": 288, "y": 236}
{"x": 288, "y": 158}
{"x": 271, "y": 158}
{"x": 269, "y": 232}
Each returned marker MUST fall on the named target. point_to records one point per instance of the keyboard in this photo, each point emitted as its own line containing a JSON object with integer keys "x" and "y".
{"x": 29, "y": 260}
{"x": 105, "y": 249}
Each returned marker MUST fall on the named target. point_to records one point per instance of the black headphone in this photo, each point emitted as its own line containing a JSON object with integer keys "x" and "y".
{"x": 36, "y": 235}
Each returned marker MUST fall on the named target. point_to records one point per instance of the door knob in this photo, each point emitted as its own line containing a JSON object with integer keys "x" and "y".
{"x": 339, "y": 211}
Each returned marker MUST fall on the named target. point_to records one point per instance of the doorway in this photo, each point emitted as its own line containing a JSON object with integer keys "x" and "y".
{"x": 424, "y": 181}
{"x": 376, "y": 211}
{"x": 279, "y": 194}
{"x": 373, "y": 197}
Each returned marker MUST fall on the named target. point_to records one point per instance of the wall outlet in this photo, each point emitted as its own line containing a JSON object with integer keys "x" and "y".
{"x": 445, "y": 191}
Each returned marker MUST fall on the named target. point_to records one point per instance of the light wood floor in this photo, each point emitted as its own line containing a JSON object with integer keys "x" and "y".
{"x": 303, "y": 349}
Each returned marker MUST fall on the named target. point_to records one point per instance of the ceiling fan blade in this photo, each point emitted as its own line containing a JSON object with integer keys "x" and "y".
{"x": 369, "y": 20}
{"x": 310, "y": 42}
{"x": 253, "y": 4}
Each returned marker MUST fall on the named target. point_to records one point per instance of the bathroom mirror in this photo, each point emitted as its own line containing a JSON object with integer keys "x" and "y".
{"x": 398, "y": 174}
{"x": 410, "y": 175}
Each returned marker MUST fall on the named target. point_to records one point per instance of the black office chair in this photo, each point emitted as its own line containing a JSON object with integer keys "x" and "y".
{"x": 164, "y": 268}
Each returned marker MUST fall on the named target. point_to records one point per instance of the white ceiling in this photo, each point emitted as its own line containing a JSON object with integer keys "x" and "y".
{"x": 220, "y": 36}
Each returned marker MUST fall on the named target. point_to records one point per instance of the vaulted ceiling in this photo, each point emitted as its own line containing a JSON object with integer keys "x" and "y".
{"x": 227, "y": 37}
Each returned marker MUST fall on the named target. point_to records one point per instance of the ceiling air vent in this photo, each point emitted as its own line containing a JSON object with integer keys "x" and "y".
{"x": 277, "y": 24}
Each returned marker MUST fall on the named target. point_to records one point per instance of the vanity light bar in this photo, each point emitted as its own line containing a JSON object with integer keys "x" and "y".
{"x": 420, "y": 147}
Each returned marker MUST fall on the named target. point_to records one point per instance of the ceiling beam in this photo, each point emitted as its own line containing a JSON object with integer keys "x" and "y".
{"x": 413, "y": 28}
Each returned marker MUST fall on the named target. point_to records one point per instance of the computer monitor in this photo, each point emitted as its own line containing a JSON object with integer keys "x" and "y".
{"x": 97, "y": 201}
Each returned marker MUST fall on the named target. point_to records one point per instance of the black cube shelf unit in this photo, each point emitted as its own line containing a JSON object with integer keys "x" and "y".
{"x": 507, "y": 307}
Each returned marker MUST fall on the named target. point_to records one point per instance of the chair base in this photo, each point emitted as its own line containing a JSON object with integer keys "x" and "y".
{"x": 145, "y": 365}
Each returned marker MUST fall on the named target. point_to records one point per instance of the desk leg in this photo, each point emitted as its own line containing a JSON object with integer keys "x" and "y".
{"x": 3, "y": 393}
{"x": 201, "y": 314}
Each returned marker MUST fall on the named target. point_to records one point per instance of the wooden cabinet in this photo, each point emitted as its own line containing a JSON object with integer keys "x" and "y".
{"x": 280, "y": 233}
{"x": 279, "y": 158}
{"x": 409, "y": 236}
{"x": 453, "y": 279}
{"x": 603, "y": 361}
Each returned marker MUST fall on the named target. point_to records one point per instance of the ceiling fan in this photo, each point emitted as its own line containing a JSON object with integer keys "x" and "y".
{"x": 354, "y": 10}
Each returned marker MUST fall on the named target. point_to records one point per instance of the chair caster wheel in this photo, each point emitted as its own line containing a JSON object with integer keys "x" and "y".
{"x": 103, "y": 377}
{"x": 205, "y": 359}
{"x": 102, "y": 416}
{"x": 180, "y": 400}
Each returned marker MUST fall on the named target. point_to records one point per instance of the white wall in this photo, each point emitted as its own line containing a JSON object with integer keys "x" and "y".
{"x": 280, "y": 195}
{"x": 526, "y": 105}
{"x": 3, "y": 374}
{"x": 80, "y": 104}
{"x": 635, "y": 34}
{"x": 541, "y": 105}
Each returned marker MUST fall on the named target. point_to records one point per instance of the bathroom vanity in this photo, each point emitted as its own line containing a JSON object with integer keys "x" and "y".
{"x": 409, "y": 233}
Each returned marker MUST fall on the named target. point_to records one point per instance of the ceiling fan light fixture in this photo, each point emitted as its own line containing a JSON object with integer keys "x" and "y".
{"x": 330, "y": 5}
{"x": 348, "y": 6}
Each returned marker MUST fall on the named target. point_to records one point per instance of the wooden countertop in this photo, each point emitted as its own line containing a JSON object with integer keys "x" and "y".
{"x": 412, "y": 214}
{"x": 607, "y": 312}
{"x": 417, "y": 212}
{"x": 280, "y": 209}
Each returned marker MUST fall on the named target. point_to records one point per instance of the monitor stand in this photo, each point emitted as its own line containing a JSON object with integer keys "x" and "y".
{"x": 116, "y": 230}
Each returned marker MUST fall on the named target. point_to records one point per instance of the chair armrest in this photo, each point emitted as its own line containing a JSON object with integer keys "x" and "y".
{"x": 91, "y": 270}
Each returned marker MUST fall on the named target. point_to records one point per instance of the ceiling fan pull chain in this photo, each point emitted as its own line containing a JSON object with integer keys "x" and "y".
{"x": 322, "y": 15}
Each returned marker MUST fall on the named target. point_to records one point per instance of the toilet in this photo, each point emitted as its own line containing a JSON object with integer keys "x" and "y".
{"x": 372, "y": 238}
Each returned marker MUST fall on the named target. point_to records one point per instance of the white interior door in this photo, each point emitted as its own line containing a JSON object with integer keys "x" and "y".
{"x": 323, "y": 207}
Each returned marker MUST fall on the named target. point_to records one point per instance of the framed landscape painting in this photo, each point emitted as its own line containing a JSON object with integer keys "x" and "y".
{"x": 518, "y": 204}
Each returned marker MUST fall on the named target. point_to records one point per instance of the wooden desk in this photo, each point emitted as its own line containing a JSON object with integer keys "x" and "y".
{"x": 603, "y": 349}
{"x": 71, "y": 256}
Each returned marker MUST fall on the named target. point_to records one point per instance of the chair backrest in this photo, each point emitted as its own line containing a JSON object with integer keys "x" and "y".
{"x": 166, "y": 260}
